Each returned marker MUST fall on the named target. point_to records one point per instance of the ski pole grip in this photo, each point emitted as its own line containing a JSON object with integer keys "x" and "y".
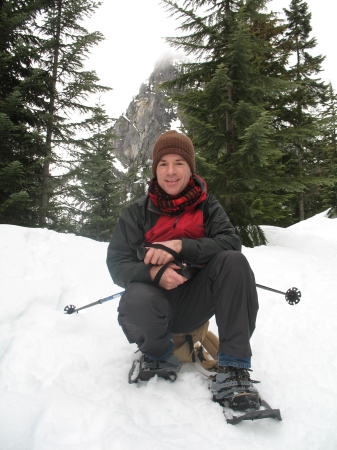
{"x": 141, "y": 252}
{"x": 185, "y": 272}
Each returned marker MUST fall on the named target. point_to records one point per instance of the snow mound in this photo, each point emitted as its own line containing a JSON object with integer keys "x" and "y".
{"x": 63, "y": 378}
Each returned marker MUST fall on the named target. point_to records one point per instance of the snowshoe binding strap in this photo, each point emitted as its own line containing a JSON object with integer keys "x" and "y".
{"x": 235, "y": 389}
{"x": 226, "y": 384}
{"x": 143, "y": 369}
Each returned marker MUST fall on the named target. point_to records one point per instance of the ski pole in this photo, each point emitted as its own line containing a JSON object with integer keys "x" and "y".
{"x": 293, "y": 295}
{"x": 72, "y": 309}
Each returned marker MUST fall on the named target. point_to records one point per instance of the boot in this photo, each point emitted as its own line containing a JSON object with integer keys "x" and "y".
{"x": 234, "y": 388}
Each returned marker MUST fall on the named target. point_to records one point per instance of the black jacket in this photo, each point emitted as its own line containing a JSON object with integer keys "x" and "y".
{"x": 142, "y": 216}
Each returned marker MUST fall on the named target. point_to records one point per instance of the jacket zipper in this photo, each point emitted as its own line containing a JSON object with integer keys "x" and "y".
{"x": 175, "y": 222}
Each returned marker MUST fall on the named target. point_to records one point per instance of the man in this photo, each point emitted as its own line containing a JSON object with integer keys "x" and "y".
{"x": 162, "y": 296}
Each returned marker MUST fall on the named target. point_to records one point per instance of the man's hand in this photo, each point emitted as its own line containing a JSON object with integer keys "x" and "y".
{"x": 170, "y": 278}
{"x": 160, "y": 257}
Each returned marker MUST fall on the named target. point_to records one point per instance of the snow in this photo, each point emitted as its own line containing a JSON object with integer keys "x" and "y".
{"x": 119, "y": 166}
{"x": 124, "y": 117}
{"x": 63, "y": 378}
{"x": 175, "y": 125}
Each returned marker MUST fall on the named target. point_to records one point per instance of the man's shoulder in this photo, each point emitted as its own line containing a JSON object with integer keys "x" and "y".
{"x": 210, "y": 200}
{"x": 138, "y": 205}
{"x": 141, "y": 201}
{"x": 212, "y": 208}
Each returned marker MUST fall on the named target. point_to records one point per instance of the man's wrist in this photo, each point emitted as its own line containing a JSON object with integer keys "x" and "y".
{"x": 178, "y": 245}
{"x": 153, "y": 271}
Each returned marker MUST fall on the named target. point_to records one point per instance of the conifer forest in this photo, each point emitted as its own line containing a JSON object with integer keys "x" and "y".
{"x": 249, "y": 94}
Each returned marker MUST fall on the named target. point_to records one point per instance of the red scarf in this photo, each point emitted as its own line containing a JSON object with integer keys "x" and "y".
{"x": 174, "y": 205}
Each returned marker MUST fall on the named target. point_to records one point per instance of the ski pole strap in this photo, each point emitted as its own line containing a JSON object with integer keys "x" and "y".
{"x": 159, "y": 274}
{"x": 141, "y": 251}
{"x": 184, "y": 271}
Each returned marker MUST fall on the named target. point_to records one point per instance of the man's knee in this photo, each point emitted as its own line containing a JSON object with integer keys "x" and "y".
{"x": 142, "y": 303}
{"x": 231, "y": 259}
{"x": 231, "y": 255}
{"x": 145, "y": 315}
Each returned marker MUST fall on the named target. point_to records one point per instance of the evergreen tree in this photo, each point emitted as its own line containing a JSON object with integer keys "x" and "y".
{"x": 329, "y": 154}
{"x": 300, "y": 109}
{"x": 137, "y": 179}
{"x": 43, "y": 91}
{"x": 227, "y": 109}
{"x": 22, "y": 89}
{"x": 65, "y": 45}
{"x": 97, "y": 191}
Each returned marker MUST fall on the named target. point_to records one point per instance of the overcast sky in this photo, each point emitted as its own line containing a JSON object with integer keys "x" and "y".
{"x": 134, "y": 32}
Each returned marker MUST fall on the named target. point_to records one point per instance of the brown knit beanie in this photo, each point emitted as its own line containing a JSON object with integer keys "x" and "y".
{"x": 176, "y": 143}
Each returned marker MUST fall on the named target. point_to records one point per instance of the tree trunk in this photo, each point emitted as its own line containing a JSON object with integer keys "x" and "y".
{"x": 229, "y": 121}
{"x": 300, "y": 151}
{"x": 301, "y": 195}
{"x": 45, "y": 194}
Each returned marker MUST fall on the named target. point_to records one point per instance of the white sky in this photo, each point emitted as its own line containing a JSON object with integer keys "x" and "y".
{"x": 134, "y": 33}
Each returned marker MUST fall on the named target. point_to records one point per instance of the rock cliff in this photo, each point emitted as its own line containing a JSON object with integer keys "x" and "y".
{"x": 148, "y": 115}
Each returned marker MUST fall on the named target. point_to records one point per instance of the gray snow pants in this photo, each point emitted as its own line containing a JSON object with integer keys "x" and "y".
{"x": 224, "y": 287}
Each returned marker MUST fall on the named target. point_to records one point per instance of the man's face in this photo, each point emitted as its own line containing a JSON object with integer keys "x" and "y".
{"x": 173, "y": 174}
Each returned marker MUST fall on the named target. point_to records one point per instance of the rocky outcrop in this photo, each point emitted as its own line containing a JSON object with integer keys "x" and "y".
{"x": 148, "y": 115}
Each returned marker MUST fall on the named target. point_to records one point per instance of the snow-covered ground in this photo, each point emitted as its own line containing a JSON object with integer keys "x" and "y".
{"x": 63, "y": 378}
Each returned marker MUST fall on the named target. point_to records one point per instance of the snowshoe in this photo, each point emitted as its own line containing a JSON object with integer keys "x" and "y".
{"x": 265, "y": 412}
{"x": 234, "y": 390}
{"x": 144, "y": 368}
